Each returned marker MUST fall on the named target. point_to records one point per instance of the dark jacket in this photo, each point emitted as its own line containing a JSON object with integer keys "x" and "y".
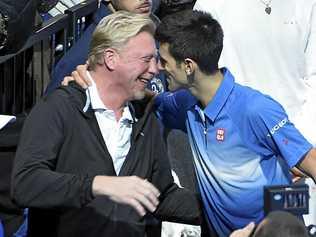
{"x": 61, "y": 150}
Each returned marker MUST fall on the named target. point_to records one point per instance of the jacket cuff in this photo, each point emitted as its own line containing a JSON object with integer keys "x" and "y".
{"x": 86, "y": 194}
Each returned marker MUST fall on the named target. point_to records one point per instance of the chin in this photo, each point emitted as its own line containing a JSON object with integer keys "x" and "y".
{"x": 193, "y": 91}
{"x": 139, "y": 95}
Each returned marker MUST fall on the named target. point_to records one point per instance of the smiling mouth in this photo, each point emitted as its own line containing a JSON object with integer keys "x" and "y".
{"x": 144, "y": 80}
{"x": 144, "y": 7}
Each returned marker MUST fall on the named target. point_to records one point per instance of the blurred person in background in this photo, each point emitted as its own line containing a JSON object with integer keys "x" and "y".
{"x": 275, "y": 224}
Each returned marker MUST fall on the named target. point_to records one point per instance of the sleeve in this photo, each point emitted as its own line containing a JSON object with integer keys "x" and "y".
{"x": 176, "y": 204}
{"x": 269, "y": 122}
{"x": 171, "y": 108}
{"x": 35, "y": 183}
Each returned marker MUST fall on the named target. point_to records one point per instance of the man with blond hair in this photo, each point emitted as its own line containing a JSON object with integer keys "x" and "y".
{"x": 78, "y": 53}
{"x": 92, "y": 163}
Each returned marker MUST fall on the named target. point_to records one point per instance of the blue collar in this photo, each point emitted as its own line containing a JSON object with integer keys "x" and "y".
{"x": 215, "y": 106}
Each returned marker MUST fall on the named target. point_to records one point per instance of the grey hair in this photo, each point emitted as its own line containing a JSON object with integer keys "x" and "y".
{"x": 114, "y": 31}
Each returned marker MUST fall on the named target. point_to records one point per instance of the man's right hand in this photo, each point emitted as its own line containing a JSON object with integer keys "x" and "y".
{"x": 244, "y": 232}
{"x": 130, "y": 190}
{"x": 79, "y": 76}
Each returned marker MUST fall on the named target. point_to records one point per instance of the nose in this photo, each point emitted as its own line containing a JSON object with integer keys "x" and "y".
{"x": 153, "y": 67}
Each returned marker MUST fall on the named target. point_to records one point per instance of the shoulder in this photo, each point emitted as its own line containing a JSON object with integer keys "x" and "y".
{"x": 258, "y": 105}
{"x": 62, "y": 99}
{"x": 180, "y": 98}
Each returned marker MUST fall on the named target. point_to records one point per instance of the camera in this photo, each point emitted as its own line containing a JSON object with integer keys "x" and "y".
{"x": 291, "y": 198}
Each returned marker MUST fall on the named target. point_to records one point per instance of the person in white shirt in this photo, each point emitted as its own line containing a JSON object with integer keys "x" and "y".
{"x": 270, "y": 45}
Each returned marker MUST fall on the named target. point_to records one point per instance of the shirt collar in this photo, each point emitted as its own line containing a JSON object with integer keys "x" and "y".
{"x": 93, "y": 94}
{"x": 218, "y": 101}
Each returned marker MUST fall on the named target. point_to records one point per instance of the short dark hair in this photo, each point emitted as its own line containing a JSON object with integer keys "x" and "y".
{"x": 192, "y": 34}
{"x": 280, "y": 224}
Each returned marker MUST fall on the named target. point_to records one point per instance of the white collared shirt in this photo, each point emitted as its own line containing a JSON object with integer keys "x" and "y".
{"x": 116, "y": 134}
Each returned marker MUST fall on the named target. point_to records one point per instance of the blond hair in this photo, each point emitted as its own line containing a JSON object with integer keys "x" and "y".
{"x": 114, "y": 31}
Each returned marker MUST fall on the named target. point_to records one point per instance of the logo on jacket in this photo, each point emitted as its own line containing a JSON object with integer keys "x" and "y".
{"x": 156, "y": 85}
{"x": 220, "y": 134}
{"x": 278, "y": 126}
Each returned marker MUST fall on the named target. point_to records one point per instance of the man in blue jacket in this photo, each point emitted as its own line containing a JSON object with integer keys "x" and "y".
{"x": 241, "y": 139}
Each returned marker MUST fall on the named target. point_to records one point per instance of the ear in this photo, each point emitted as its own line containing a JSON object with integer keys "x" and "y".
{"x": 110, "y": 58}
{"x": 189, "y": 66}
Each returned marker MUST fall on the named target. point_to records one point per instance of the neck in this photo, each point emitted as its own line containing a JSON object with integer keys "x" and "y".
{"x": 207, "y": 85}
{"x": 110, "y": 94}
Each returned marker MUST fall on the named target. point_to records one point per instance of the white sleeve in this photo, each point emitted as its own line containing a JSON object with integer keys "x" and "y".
{"x": 310, "y": 52}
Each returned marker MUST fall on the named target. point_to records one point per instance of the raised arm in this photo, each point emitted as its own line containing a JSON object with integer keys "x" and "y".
{"x": 79, "y": 76}
{"x": 276, "y": 131}
{"x": 171, "y": 108}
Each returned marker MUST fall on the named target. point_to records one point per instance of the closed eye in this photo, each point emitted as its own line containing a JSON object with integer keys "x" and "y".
{"x": 147, "y": 59}
{"x": 162, "y": 62}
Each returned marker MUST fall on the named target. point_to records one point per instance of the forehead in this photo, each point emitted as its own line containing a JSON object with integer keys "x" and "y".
{"x": 164, "y": 52}
{"x": 141, "y": 44}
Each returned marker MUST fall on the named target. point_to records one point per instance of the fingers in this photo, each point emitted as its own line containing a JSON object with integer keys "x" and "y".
{"x": 79, "y": 79}
{"x": 131, "y": 202}
{"x": 249, "y": 228}
{"x": 81, "y": 71}
{"x": 79, "y": 76}
{"x": 146, "y": 202}
{"x": 66, "y": 81}
{"x": 131, "y": 190}
{"x": 151, "y": 187}
{"x": 137, "y": 206}
{"x": 296, "y": 179}
{"x": 244, "y": 232}
{"x": 147, "y": 195}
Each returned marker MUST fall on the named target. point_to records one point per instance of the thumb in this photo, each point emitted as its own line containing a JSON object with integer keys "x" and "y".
{"x": 244, "y": 232}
